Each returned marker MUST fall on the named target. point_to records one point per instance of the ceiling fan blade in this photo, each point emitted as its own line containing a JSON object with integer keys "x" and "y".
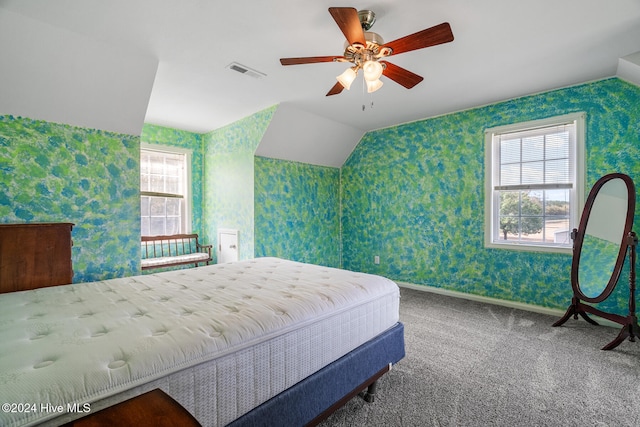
{"x": 349, "y": 23}
{"x": 430, "y": 37}
{"x": 398, "y": 74}
{"x": 309, "y": 60}
{"x": 336, "y": 89}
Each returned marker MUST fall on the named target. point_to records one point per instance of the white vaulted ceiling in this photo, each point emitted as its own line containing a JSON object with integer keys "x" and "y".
{"x": 165, "y": 62}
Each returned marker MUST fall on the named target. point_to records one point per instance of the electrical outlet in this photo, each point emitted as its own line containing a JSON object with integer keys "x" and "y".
{"x": 376, "y": 259}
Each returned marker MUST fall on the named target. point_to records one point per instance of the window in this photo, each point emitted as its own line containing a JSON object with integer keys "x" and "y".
{"x": 534, "y": 183}
{"x": 164, "y": 195}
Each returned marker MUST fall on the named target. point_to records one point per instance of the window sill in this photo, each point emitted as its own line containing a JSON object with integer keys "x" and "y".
{"x": 529, "y": 248}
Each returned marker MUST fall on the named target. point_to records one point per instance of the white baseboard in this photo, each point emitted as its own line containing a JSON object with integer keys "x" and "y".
{"x": 511, "y": 304}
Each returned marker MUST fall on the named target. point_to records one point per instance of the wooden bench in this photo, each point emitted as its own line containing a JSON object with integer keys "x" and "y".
{"x": 176, "y": 249}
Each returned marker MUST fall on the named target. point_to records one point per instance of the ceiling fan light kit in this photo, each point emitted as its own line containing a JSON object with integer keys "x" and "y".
{"x": 347, "y": 77}
{"x": 365, "y": 49}
{"x": 372, "y": 70}
{"x": 374, "y": 85}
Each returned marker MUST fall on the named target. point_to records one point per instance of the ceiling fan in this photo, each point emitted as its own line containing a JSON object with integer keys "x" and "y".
{"x": 366, "y": 49}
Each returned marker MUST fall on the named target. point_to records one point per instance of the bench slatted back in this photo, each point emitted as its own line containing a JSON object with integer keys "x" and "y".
{"x": 161, "y": 246}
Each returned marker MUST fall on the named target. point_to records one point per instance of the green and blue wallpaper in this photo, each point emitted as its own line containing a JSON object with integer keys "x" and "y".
{"x": 229, "y": 179}
{"x": 59, "y": 173}
{"x": 297, "y": 211}
{"x": 414, "y": 195}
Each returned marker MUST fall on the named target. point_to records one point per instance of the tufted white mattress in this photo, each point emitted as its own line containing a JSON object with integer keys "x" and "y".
{"x": 221, "y": 339}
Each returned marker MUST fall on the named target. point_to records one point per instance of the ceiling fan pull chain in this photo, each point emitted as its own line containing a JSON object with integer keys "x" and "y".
{"x": 363, "y": 93}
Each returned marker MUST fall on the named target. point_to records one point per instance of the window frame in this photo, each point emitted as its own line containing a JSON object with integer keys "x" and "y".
{"x": 187, "y": 194}
{"x": 576, "y": 167}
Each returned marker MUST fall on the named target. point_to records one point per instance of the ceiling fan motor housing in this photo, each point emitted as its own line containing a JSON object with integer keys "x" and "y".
{"x": 359, "y": 54}
{"x": 367, "y": 19}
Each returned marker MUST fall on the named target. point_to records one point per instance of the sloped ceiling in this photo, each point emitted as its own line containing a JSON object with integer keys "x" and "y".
{"x": 53, "y": 74}
{"x": 629, "y": 68}
{"x": 294, "y": 134}
{"x": 105, "y": 51}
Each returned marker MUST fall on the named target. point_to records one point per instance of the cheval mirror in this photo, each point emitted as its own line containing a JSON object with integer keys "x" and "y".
{"x": 600, "y": 246}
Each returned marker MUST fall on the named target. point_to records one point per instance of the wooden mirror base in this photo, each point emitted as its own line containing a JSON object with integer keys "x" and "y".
{"x": 630, "y": 328}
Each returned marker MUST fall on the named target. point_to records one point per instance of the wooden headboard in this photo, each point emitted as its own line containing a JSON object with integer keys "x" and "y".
{"x": 35, "y": 256}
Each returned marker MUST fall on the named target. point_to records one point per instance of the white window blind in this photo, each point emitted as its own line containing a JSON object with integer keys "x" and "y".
{"x": 537, "y": 158}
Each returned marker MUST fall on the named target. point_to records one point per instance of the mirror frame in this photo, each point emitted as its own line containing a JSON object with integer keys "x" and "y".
{"x": 579, "y": 239}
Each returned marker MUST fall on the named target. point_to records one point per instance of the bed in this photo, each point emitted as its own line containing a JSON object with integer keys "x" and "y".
{"x": 256, "y": 342}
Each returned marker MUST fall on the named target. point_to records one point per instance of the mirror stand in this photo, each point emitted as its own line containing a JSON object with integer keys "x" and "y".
{"x": 600, "y": 246}
{"x": 630, "y": 328}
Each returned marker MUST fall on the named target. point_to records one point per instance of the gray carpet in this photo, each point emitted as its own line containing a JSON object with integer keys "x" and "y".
{"x": 476, "y": 364}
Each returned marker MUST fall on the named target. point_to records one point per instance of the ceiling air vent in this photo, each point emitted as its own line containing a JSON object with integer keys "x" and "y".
{"x": 246, "y": 70}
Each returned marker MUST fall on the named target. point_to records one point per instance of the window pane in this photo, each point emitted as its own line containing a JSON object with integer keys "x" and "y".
{"x": 538, "y": 157}
{"x": 144, "y": 163}
{"x": 557, "y": 203}
{"x": 157, "y": 226}
{"x": 533, "y": 148}
{"x": 144, "y": 206}
{"x": 156, "y": 183}
{"x": 531, "y": 220}
{"x": 509, "y": 203}
{"x": 558, "y": 231}
{"x": 533, "y": 173}
{"x": 173, "y": 166}
{"x": 163, "y": 215}
{"x": 510, "y": 151}
{"x": 535, "y": 216}
{"x": 173, "y": 207}
{"x": 144, "y": 182}
{"x": 532, "y": 228}
{"x": 158, "y": 206}
{"x": 510, "y": 174}
{"x": 557, "y": 146}
{"x": 157, "y": 163}
{"x": 173, "y": 226}
{"x": 509, "y": 215}
{"x": 172, "y": 185}
{"x": 557, "y": 171}
{"x": 531, "y": 203}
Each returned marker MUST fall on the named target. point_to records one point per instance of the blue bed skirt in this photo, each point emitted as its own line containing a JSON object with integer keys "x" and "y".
{"x": 311, "y": 397}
